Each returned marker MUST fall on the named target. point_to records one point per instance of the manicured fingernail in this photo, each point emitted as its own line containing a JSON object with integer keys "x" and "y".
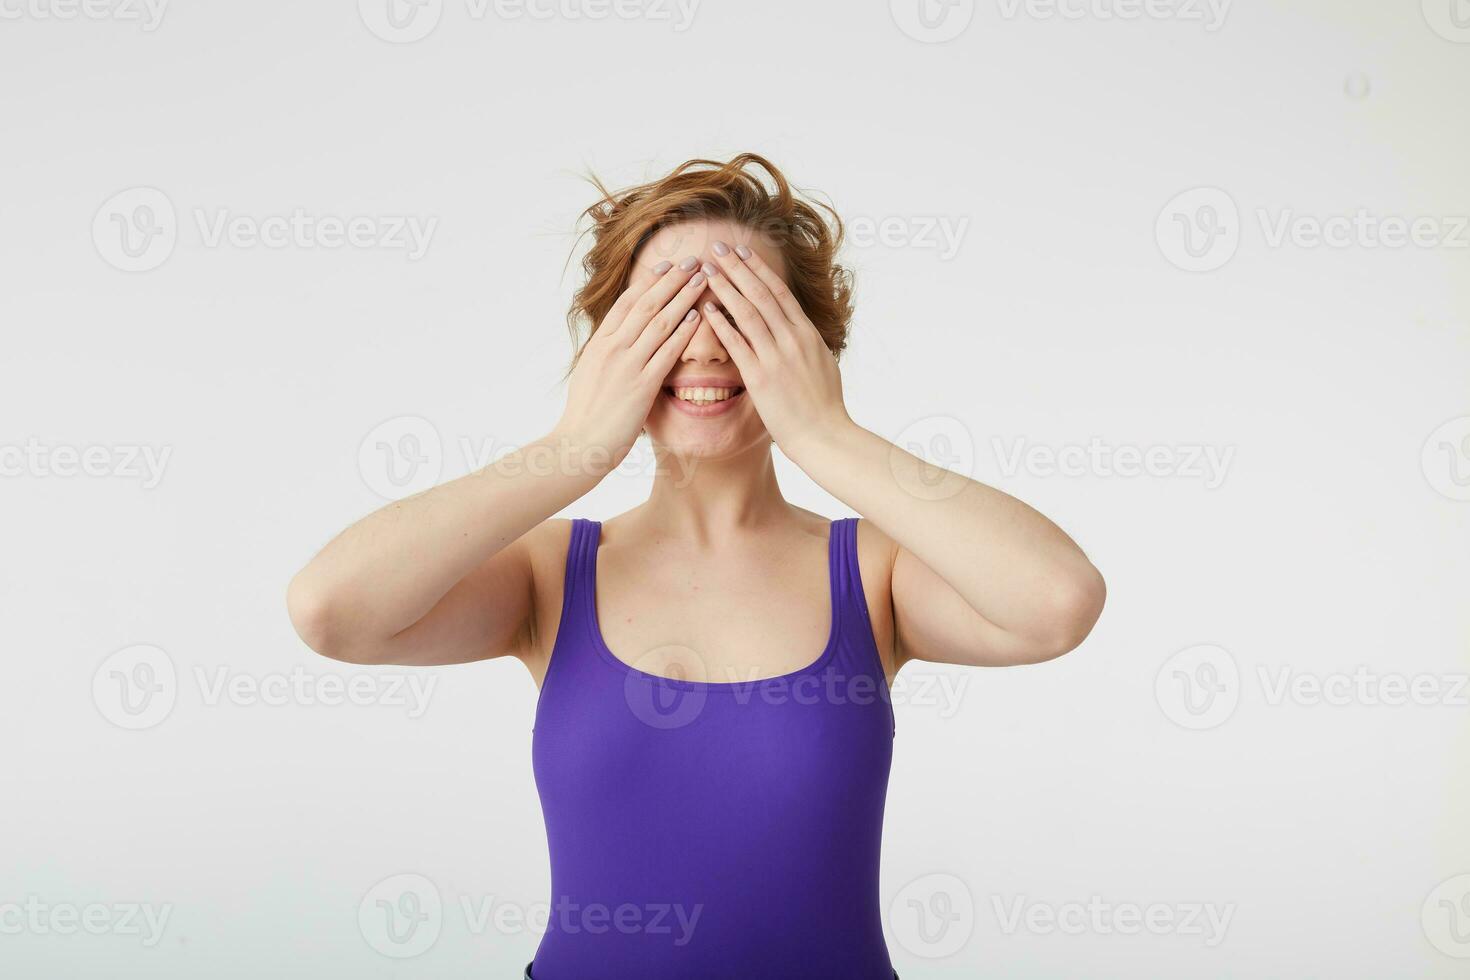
{"x": 689, "y": 263}
{"x": 709, "y": 270}
{"x": 662, "y": 267}
{"x": 697, "y": 280}
{"x": 721, "y": 248}
{"x": 690, "y": 315}
{"x": 711, "y": 308}
{"x": 742, "y": 251}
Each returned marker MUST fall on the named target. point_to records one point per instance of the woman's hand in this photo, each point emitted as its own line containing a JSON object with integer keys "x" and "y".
{"x": 625, "y": 361}
{"x": 784, "y": 364}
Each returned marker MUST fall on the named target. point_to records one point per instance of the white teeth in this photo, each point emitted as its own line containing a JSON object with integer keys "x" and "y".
{"x": 703, "y": 396}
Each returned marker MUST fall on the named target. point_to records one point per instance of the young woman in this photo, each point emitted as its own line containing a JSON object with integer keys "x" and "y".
{"x": 713, "y": 732}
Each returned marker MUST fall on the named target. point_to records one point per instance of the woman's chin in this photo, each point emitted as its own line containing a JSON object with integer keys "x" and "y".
{"x": 708, "y": 440}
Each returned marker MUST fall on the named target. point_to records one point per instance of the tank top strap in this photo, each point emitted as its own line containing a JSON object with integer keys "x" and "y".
{"x": 579, "y": 580}
{"x": 847, "y": 583}
{"x": 850, "y": 601}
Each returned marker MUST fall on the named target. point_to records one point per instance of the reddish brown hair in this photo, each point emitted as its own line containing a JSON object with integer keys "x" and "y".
{"x": 808, "y": 234}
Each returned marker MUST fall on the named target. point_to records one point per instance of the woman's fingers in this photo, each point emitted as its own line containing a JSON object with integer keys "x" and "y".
{"x": 782, "y": 292}
{"x": 638, "y": 283}
{"x": 643, "y": 307}
{"x": 675, "y": 312}
{"x": 753, "y": 289}
{"x": 740, "y": 352}
{"x": 747, "y": 317}
{"x": 662, "y": 362}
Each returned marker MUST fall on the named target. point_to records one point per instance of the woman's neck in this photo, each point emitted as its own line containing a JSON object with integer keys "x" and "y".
{"x": 704, "y": 500}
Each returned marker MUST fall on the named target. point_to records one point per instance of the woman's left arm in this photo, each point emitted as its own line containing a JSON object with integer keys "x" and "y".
{"x": 979, "y": 578}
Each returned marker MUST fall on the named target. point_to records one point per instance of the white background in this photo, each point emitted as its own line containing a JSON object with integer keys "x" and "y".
{"x": 1332, "y": 542}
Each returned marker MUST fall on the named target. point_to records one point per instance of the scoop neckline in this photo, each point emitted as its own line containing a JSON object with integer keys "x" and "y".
{"x": 589, "y": 596}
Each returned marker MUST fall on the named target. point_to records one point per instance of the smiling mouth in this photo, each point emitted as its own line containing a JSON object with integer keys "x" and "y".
{"x": 704, "y": 400}
{"x": 703, "y": 394}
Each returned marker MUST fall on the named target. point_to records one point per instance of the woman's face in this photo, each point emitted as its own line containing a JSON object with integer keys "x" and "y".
{"x": 686, "y": 421}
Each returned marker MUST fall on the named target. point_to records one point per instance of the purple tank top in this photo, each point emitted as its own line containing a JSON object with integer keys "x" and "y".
{"x": 713, "y": 830}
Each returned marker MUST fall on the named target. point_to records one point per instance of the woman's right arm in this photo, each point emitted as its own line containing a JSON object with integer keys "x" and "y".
{"x": 444, "y": 577}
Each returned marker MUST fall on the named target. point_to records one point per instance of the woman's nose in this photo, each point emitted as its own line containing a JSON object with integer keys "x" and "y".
{"x": 705, "y": 346}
